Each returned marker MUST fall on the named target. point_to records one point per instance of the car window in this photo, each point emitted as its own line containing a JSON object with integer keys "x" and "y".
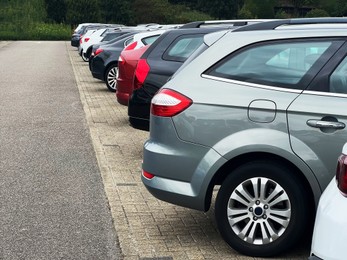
{"x": 281, "y": 64}
{"x": 129, "y": 41}
{"x": 183, "y": 47}
{"x": 150, "y": 39}
{"x": 338, "y": 79}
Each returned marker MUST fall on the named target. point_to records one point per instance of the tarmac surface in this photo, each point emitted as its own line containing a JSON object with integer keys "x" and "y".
{"x": 52, "y": 201}
{"x": 146, "y": 227}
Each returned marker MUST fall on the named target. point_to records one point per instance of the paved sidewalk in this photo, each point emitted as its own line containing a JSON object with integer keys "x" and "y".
{"x": 147, "y": 228}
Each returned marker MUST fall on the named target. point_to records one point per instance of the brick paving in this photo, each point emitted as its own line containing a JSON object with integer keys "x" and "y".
{"x": 146, "y": 227}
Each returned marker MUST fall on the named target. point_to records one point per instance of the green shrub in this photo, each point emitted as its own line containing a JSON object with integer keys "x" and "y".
{"x": 35, "y": 31}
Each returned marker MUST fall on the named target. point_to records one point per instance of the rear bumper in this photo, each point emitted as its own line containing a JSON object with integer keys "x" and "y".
{"x": 124, "y": 89}
{"x": 97, "y": 68}
{"x": 183, "y": 171}
{"x": 139, "y": 107}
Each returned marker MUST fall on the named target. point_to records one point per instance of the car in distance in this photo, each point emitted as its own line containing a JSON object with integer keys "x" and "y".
{"x": 104, "y": 64}
{"x": 255, "y": 113}
{"x": 330, "y": 230}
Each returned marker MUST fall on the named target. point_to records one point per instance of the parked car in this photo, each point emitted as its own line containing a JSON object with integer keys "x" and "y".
{"x": 80, "y": 30}
{"x": 158, "y": 64}
{"x": 104, "y": 65}
{"x": 330, "y": 230}
{"x": 100, "y": 36}
{"x": 127, "y": 63}
{"x": 260, "y": 113}
{"x": 107, "y": 44}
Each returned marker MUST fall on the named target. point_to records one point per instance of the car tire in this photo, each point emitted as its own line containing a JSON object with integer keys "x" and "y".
{"x": 84, "y": 57}
{"x": 111, "y": 78}
{"x": 262, "y": 209}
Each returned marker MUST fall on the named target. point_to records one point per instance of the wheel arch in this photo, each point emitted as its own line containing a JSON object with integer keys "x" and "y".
{"x": 235, "y": 162}
{"x": 89, "y": 50}
{"x": 108, "y": 66}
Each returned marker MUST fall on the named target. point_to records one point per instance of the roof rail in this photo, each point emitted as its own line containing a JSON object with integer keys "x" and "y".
{"x": 271, "y": 25}
{"x": 239, "y": 22}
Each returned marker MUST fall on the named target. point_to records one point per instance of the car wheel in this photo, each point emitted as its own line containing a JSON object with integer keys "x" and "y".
{"x": 111, "y": 78}
{"x": 84, "y": 57}
{"x": 262, "y": 209}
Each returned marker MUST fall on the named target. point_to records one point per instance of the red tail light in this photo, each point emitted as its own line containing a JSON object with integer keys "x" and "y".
{"x": 86, "y": 39}
{"x": 341, "y": 174}
{"x": 169, "y": 103}
{"x": 147, "y": 175}
{"x": 130, "y": 46}
{"x": 141, "y": 73}
{"x": 80, "y": 40}
{"x": 98, "y": 51}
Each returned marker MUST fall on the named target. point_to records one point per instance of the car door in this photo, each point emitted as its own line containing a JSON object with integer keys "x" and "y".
{"x": 317, "y": 118}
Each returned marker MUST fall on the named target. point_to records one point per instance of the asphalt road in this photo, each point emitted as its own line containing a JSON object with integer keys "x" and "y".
{"x": 52, "y": 201}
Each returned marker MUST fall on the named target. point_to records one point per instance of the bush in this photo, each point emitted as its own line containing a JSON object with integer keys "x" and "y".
{"x": 317, "y": 13}
{"x": 35, "y": 31}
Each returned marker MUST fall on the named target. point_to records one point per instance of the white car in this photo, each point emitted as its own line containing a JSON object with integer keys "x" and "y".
{"x": 330, "y": 230}
{"x": 85, "y": 38}
{"x": 88, "y": 41}
{"x": 142, "y": 39}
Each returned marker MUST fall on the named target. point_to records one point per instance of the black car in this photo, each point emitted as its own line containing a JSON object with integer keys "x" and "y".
{"x": 104, "y": 65}
{"x": 159, "y": 62}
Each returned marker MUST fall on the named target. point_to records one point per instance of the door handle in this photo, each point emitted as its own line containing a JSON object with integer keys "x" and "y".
{"x": 325, "y": 124}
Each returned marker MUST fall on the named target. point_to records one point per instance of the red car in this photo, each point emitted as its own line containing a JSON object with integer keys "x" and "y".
{"x": 127, "y": 63}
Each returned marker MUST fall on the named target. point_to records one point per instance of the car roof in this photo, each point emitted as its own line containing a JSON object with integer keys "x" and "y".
{"x": 238, "y": 22}
{"x": 276, "y": 24}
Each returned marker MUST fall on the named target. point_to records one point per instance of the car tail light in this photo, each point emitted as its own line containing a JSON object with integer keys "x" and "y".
{"x": 141, "y": 73}
{"x": 130, "y": 46}
{"x": 147, "y": 175}
{"x": 98, "y": 51}
{"x": 80, "y": 40}
{"x": 341, "y": 174}
{"x": 169, "y": 103}
{"x": 86, "y": 39}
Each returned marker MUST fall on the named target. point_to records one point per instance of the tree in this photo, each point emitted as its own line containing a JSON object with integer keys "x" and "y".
{"x": 259, "y": 9}
{"x": 116, "y": 11}
{"x": 56, "y": 10}
{"x": 79, "y": 11}
{"x": 221, "y": 9}
{"x": 317, "y": 13}
{"x": 152, "y": 11}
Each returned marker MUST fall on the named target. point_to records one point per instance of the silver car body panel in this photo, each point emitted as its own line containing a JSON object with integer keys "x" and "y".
{"x": 247, "y": 117}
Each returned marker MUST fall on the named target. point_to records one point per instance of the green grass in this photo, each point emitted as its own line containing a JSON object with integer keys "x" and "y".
{"x": 35, "y": 31}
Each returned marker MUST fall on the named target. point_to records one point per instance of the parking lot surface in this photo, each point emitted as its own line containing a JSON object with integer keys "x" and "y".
{"x": 146, "y": 227}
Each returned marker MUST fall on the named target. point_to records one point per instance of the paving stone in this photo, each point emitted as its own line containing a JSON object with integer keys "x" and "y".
{"x": 148, "y": 229}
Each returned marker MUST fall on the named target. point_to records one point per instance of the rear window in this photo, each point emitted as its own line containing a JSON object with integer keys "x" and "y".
{"x": 281, "y": 64}
{"x": 110, "y": 36}
{"x": 150, "y": 39}
{"x": 183, "y": 47}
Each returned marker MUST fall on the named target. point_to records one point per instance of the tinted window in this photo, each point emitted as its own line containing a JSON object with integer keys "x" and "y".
{"x": 274, "y": 64}
{"x": 129, "y": 41}
{"x": 183, "y": 47}
{"x": 111, "y": 36}
{"x": 338, "y": 79}
{"x": 150, "y": 40}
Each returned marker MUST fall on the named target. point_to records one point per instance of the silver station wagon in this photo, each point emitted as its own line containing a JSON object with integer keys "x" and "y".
{"x": 260, "y": 113}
